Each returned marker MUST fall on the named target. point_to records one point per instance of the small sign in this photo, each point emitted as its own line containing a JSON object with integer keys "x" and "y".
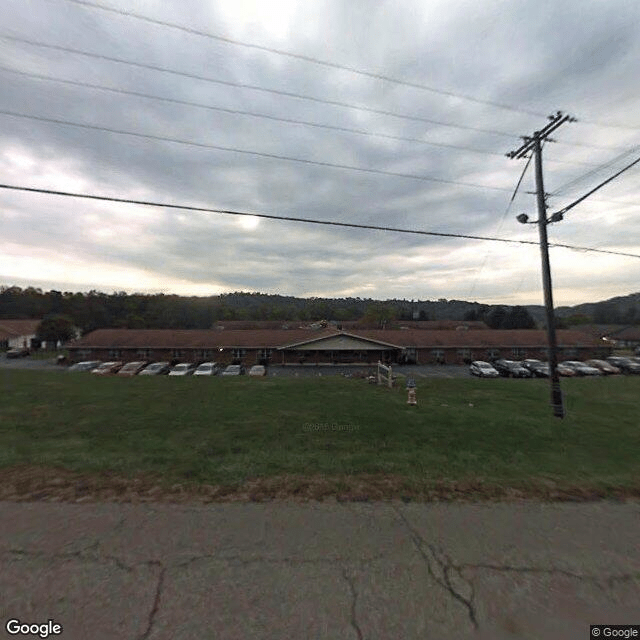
{"x": 411, "y": 383}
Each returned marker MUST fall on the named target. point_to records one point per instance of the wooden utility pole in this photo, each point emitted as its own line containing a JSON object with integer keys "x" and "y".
{"x": 533, "y": 144}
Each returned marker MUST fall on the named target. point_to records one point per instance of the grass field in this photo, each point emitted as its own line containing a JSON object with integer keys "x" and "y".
{"x": 230, "y": 431}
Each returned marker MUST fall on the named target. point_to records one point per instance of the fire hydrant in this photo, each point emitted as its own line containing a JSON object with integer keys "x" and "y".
{"x": 411, "y": 389}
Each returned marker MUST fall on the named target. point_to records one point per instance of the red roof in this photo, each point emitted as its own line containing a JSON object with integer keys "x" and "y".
{"x": 16, "y": 328}
{"x": 274, "y": 338}
{"x": 419, "y": 324}
{"x": 630, "y": 333}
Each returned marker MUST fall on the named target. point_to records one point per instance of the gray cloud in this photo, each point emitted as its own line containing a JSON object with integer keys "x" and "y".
{"x": 535, "y": 56}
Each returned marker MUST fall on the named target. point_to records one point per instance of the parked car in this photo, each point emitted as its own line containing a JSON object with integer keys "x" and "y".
{"x": 563, "y": 370}
{"x": 107, "y": 368}
{"x": 626, "y": 365}
{"x": 233, "y": 370}
{"x": 483, "y": 369}
{"x": 538, "y": 368}
{"x": 18, "y": 353}
{"x": 605, "y": 367}
{"x": 183, "y": 369}
{"x": 156, "y": 369}
{"x": 511, "y": 369}
{"x": 581, "y": 368}
{"x": 257, "y": 370}
{"x": 86, "y": 365}
{"x": 132, "y": 368}
{"x": 207, "y": 369}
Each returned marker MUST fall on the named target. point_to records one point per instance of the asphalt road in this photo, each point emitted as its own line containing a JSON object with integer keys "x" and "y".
{"x": 290, "y": 570}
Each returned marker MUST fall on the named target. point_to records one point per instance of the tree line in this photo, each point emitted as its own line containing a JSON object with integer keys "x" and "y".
{"x": 95, "y": 310}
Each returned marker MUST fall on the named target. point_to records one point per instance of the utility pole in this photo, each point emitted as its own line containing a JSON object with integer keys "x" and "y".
{"x": 533, "y": 144}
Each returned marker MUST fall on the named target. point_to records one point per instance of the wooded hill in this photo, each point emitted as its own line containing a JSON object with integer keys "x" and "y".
{"x": 96, "y": 309}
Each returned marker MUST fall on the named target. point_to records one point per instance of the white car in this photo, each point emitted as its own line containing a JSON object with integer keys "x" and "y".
{"x": 183, "y": 369}
{"x": 257, "y": 370}
{"x": 207, "y": 369}
{"x": 87, "y": 365}
{"x": 483, "y": 370}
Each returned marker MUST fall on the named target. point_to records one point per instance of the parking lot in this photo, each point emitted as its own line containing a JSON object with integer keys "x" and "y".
{"x": 299, "y": 371}
{"x": 415, "y": 371}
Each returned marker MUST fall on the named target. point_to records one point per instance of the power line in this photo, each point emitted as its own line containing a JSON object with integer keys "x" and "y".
{"x": 287, "y": 94}
{"x": 332, "y": 65}
{"x": 254, "y": 114}
{"x": 599, "y": 168}
{"x": 602, "y": 184}
{"x": 304, "y": 58}
{"x": 273, "y": 156}
{"x": 251, "y": 87}
{"x": 249, "y": 113}
{"x": 165, "y": 205}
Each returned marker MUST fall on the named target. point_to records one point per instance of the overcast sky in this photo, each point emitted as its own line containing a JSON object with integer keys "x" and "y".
{"x": 533, "y": 57}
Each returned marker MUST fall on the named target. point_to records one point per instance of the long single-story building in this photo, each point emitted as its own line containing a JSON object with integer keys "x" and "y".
{"x": 329, "y": 345}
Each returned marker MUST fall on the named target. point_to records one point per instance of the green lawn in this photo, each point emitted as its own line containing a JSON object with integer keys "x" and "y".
{"x": 228, "y": 431}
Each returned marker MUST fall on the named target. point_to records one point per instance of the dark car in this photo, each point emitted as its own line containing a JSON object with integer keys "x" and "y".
{"x": 233, "y": 370}
{"x": 538, "y": 368}
{"x": 626, "y": 365}
{"x": 156, "y": 369}
{"x": 511, "y": 369}
{"x": 18, "y": 353}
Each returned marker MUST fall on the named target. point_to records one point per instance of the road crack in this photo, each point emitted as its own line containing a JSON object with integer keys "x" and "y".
{"x": 443, "y": 571}
{"x": 156, "y": 600}
{"x": 354, "y": 602}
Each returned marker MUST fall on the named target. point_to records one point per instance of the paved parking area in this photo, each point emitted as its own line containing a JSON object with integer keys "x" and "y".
{"x": 30, "y": 363}
{"x": 415, "y": 371}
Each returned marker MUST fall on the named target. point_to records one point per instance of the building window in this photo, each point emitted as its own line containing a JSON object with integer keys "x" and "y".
{"x": 239, "y": 353}
{"x": 493, "y": 354}
{"x": 465, "y": 354}
{"x": 144, "y": 353}
{"x": 518, "y": 352}
{"x": 265, "y": 354}
{"x": 84, "y": 353}
{"x": 177, "y": 353}
{"x": 204, "y": 354}
{"x": 115, "y": 353}
{"x": 570, "y": 352}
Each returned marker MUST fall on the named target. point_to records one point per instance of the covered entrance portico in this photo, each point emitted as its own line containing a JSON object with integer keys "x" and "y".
{"x": 343, "y": 348}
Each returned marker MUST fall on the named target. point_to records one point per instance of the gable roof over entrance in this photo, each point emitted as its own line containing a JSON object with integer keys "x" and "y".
{"x": 341, "y": 342}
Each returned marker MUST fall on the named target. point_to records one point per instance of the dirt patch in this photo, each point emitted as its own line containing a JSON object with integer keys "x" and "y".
{"x": 31, "y": 483}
